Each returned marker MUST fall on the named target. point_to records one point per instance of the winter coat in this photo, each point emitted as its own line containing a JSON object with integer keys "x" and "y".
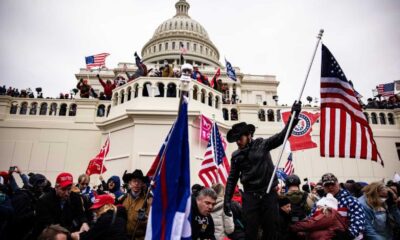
{"x": 107, "y": 88}
{"x": 167, "y": 71}
{"x": 253, "y": 164}
{"x": 321, "y": 226}
{"x": 202, "y": 226}
{"x": 108, "y": 228}
{"x": 223, "y": 224}
{"x": 49, "y": 211}
{"x": 117, "y": 189}
{"x": 6, "y": 213}
{"x": 299, "y": 205}
{"x": 377, "y": 226}
{"x": 85, "y": 89}
{"x": 284, "y": 223}
{"x": 132, "y": 206}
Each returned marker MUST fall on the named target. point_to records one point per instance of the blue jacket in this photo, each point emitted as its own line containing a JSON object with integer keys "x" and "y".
{"x": 117, "y": 189}
{"x": 377, "y": 227}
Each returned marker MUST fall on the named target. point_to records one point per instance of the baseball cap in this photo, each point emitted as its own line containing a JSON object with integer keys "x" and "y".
{"x": 64, "y": 180}
{"x": 102, "y": 200}
{"x": 328, "y": 178}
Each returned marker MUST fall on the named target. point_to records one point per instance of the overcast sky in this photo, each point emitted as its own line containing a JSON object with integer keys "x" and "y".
{"x": 44, "y": 42}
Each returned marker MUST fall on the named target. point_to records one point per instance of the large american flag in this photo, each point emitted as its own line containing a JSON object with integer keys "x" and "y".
{"x": 98, "y": 60}
{"x": 386, "y": 90}
{"x": 215, "y": 166}
{"x": 289, "y": 168}
{"x": 344, "y": 130}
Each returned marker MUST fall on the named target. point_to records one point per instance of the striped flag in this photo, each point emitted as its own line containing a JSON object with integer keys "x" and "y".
{"x": 289, "y": 168}
{"x": 215, "y": 166}
{"x": 386, "y": 90}
{"x": 98, "y": 60}
{"x": 344, "y": 131}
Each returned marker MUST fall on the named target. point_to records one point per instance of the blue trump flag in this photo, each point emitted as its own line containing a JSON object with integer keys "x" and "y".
{"x": 230, "y": 71}
{"x": 169, "y": 216}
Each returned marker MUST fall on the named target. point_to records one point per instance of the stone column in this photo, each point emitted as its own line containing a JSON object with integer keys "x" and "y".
{"x": 5, "y": 106}
{"x": 230, "y": 92}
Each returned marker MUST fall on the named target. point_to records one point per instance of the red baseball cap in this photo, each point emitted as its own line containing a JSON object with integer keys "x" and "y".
{"x": 102, "y": 200}
{"x": 64, "y": 179}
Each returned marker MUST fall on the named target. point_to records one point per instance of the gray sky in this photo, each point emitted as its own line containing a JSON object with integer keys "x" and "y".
{"x": 43, "y": 42}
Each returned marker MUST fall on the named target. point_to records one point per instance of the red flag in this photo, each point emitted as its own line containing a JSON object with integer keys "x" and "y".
{"x": 216, "y": 76}
{"x": 301, "y": 138}
{"x": 96, "y": 165}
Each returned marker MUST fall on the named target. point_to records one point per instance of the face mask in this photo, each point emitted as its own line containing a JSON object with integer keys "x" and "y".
{"x": 383, "y": 200}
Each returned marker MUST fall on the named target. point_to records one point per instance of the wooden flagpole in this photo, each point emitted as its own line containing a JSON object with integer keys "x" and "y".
{"x": 292, "y": 118}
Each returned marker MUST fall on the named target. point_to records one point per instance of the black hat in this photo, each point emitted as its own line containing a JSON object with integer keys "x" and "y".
{"x": 238, "y": 130}
{"x": 137, "y": 174}
{"x": 283, "y": 201}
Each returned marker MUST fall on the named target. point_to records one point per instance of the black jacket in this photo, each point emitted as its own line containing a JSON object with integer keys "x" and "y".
{"x": 202, "y": 226}
{"x": 284, "y": 223}
{"x": 107, "y": 228}
{"x": 49, "y": 211}
{"x": 253, "y": 164}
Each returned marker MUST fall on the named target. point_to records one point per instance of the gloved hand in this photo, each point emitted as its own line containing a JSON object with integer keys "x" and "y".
{"x": 296, "y": 107}
{"x": 98, "y": 76}
{"x": 228, "y": 209}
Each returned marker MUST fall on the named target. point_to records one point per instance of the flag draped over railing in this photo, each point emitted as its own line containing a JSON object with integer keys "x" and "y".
{"x": 344, "y": 130}
{"x": 170, "y": 209}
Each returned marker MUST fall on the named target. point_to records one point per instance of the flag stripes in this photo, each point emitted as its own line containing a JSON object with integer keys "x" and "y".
{"x": 98, "y": 60}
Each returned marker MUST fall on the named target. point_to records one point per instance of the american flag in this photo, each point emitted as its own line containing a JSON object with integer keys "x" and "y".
{"x": 182, "y": 48}
{"x": 215, "y": 166}
{"x": 98, "y": 60}
{"x": 386, "y": 90}
{"x": 289, "y": 168}
{"x": 344, "y": 130}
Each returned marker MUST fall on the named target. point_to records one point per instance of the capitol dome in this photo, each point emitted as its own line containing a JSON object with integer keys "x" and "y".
{"x": 181, "y": 30}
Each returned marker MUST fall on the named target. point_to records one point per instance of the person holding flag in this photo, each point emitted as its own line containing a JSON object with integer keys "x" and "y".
{"x": 252, "y": 163}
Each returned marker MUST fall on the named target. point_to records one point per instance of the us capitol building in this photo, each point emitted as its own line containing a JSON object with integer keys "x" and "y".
{"x": 54, "y": 135}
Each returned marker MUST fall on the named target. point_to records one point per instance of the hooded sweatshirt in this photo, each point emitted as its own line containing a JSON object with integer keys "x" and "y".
{"x": 117, "y": 189}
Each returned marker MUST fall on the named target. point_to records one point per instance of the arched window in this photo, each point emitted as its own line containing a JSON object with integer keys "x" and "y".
{"x": 382, "y": 118}
{"x": 14, "y": 108}
{"x": 129, "y": 89}
{"x": 366, "y": 116}
{"x": 278, "y": 115}
{"x": 101, "y": 110}
{"x": 390, "y": 118}
{"x": 115, "y": 99}
{"x": 225, "y": 114}
{"x": 136, "y": 87}
{"x": 33, "y": 110}
{"x": 234, "y": 114}
{"x": 203, "y": 96}
{"x": 195, "y": 92}
{"x": 261, "y": 115}
{"x": 53, "y": 109}
{"x": 171, "y": 90}
{"x": 146, "y": 89}
{"x": 63, "y": 110}
{"x": 122, "y": 94}
{"x": 270, "y": 115}
{"x": 72, "y": 110}
{"x": 24, "y": 108}
{"x": 210, "y": 99}
{"x": 108, "y": 109}
{"x": 374, "y": 119}
{"x": 159, "y": 92}
{"x": 216, "y": 102}
{"x": 43, "y": 109}
{"x": 173, "y": 45}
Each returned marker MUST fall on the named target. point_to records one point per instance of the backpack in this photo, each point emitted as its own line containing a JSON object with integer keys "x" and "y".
{"x": 300, "y": 209}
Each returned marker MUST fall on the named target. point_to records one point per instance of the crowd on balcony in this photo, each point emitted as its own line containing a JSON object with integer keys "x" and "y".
{"x": 381, "y": 103}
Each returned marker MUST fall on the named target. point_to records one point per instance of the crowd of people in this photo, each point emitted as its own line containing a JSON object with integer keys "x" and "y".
{"x": 381, "y": 103}
{"x": 116, "y": 209}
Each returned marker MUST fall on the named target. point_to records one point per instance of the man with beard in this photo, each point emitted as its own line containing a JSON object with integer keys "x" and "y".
{"x": 252, "y": 163}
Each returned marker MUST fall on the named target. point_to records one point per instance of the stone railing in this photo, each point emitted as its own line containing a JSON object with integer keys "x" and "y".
{"x": 162, "y": 88}
{"x": 255, "y": 112}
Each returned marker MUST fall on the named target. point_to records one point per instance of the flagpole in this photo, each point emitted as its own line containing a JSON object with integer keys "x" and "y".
{"x": 184, "y": 91}
{"x": 294, "y": 113}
